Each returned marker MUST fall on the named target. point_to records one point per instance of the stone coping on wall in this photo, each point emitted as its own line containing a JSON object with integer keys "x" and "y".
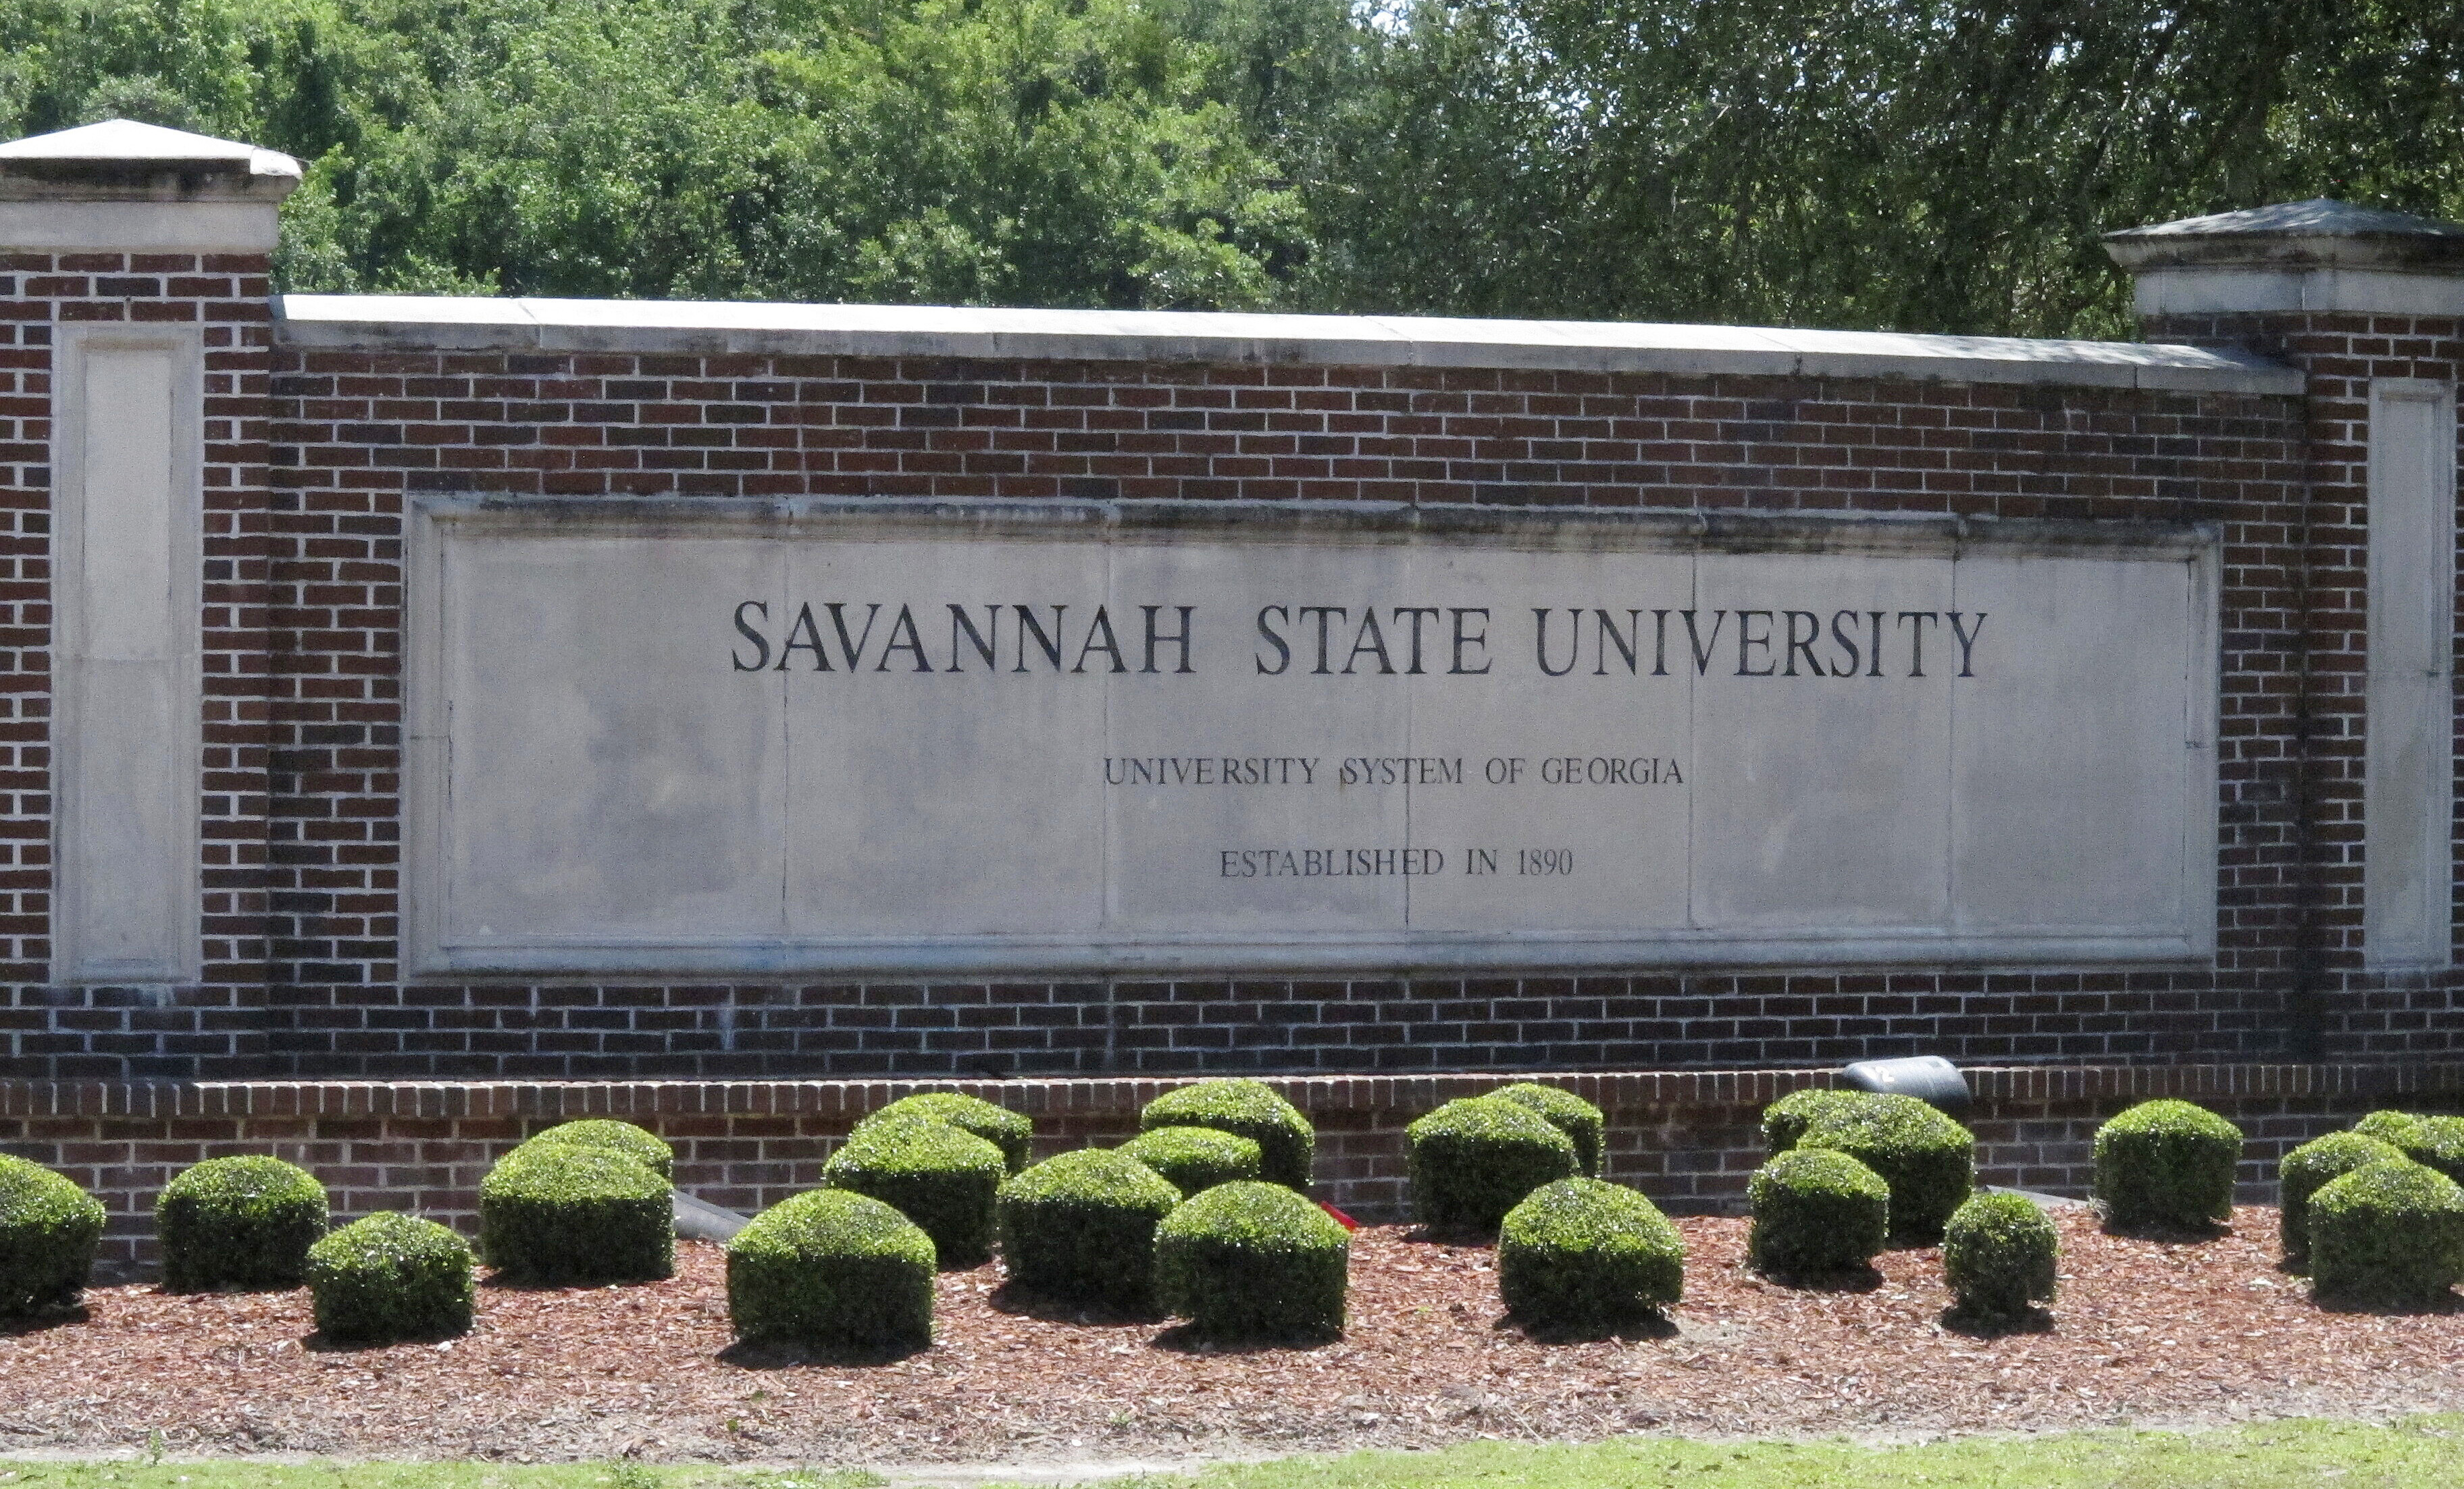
{"x": 403, "y": 323}
{"x": 1615, "y": 1090}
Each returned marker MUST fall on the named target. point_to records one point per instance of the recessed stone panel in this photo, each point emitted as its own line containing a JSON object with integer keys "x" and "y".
{"x": 2058, "y": 799}
{"x": 128, "y": 667}
{"x": 746, "y": 737}
{"x": 917, "y": 768}
{"x": 601, "y": 784}
{"x": 1827, "y": 681}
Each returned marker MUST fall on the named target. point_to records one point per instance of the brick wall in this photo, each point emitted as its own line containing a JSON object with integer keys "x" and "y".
{"x": 2360, "y": 1012}
{"x": 313, "y": 451}
{"x": 216, "y": 1027}
{"x": 1686, "y": 1139}
{"x": 358, "y": 431}
{"x": 316, "y": 443}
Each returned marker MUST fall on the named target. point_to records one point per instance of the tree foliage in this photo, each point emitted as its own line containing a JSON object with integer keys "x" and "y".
{"x": 1934, "y": 164}
{"x": 1010, "y": 151}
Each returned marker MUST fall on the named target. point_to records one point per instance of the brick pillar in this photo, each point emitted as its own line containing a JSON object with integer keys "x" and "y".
{"x": 134, "y": 361}
{"x": 2370, "y": 305}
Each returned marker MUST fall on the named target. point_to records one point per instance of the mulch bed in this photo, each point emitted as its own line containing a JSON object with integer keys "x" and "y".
{"x": 2146, "y": 1331}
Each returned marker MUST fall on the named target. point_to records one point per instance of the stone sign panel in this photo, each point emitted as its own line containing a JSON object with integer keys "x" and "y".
{"x": 881, "y": 738}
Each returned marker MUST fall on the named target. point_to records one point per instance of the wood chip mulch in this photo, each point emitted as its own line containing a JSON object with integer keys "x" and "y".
{"x": 2144, "y": 1331}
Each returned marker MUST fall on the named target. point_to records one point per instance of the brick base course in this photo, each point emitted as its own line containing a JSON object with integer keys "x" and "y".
{"x": 1687, "y": 1138}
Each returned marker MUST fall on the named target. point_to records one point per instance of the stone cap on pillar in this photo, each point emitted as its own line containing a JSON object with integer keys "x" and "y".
{"x": 139, "y": 188}
{"x": 2318, "y": 255}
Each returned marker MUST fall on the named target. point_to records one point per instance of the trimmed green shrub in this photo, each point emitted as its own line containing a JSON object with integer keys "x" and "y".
{"x": 1568, "y": 1113}
{"x": 2393, "y": 1128}
{"x": 2308, "y": 1167}
{"x": 1254, "y": 1261}
{"x": 238, "y": 1223}
{"x": 832, "y": 1269}
{"x": 571, "y": 1213}
{"x": 2438, "y": 1143}
{"x": 1785, "y": 1119}
{"x": 934, "y": 1174}
{"x": 1473, "y": 1160}
{"x": 1081, "y": 1227}
{"x": 638, "y": 1143}
{"x": 999, "y": 1126}
{"x": 2167, "y": 1163}
{"x": 1581, "y": 1253}
{"x": 390, "y": 1277}
{"x": 1196, "y": 1159}
{"x": 1286, "y": 1143}
{"x": 2434, "y": 1142}
{"x": 1816, "y": 1212}
{"x": 2389, "y": 1235}
{"x": 1998, "y": 1253}
{"x": 1928, "y": 1160}
{"x": 49, "y": 1229}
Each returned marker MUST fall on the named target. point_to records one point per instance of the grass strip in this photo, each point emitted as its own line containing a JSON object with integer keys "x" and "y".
{"x": 148, "y": 1472}
{"x": 2414, "y": 1453}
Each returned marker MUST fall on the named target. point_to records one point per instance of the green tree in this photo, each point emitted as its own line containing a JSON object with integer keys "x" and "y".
{"x": 1015, "y": 151}
{"x": 1075, "y": 152}
{"x": 1934, "y": 164}
{"x": 1926, "y": 164}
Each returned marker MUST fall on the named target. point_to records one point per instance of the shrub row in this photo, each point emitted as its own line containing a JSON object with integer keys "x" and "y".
{"x": 1582, "y": 1253}
{"x": 1894, "y": 1167}
{"x": 834, "y": 1269}
{"x": 2166, "y": 1164}
{"x": 585, "y": 1201}
{"x": 578, "y": 1207}
{"x": 390, "y": 1277}
{"x": 239, "y": 1223}
{"x": 49, "y": 1229}
{"x": 582, "y": 1202}
{"x": 1081, "y": 1227}
{"x": 1999, "y": 1254}
{"x": 1286, "y": 1143}
{"x": 1243, "y": 1260}
{"x": 1911, "y": 1177}
{"x": 2376, "y": 1214}
{"x": 1084, "y": 1227}
{"x": 242, "y": 1222}
{"x": 1187, "y": 1218}
{"x": 1194, "y": 1160}
{"x": 2372, "y": 1211}
{"x": 1852, "y": 1171}
{"x": 1473, "y": 1160}
{"x": 942, "y": 1160}
{"x": 941, "y": 1176}
{"x": 1927, "y": 1160}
